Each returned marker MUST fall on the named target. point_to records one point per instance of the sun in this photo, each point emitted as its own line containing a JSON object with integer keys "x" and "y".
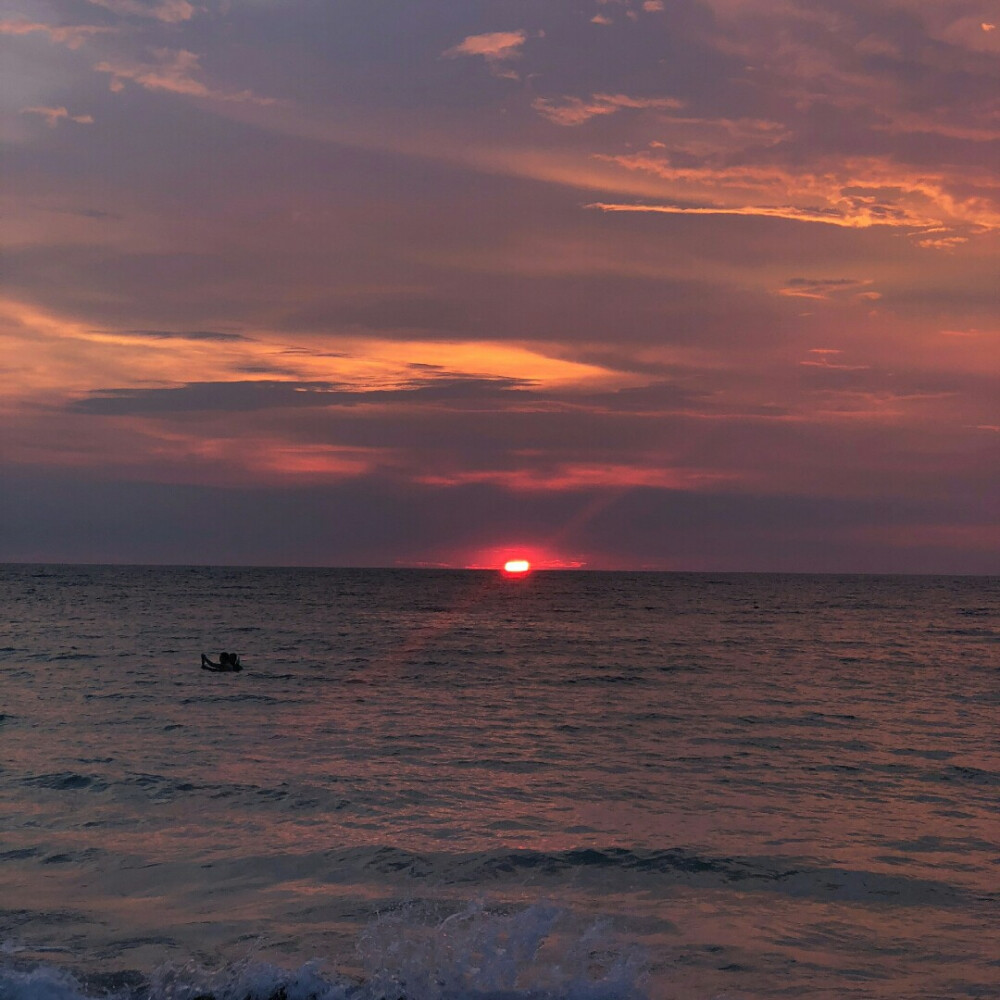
{"x": 516, "y": 567}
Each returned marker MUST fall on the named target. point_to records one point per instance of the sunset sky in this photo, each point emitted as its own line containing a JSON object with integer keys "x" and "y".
{"x": 674, "y": 284}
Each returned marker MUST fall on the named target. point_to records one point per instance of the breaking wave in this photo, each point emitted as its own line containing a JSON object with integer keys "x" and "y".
{"x": 478, "y": 953}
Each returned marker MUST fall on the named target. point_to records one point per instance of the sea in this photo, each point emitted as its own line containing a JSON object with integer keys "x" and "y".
{"x": 457, "y": 785}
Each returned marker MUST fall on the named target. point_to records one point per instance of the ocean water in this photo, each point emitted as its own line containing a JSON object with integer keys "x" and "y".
{"x": 451, "y": 785}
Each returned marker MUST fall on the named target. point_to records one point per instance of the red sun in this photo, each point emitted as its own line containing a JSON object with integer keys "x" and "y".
{"x": 516, "y": 567}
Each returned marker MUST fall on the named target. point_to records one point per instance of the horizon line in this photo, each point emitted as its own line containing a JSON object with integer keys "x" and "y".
{"x": 424, "y": 568}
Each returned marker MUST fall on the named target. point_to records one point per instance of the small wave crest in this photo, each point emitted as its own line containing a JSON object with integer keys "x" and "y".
{"x": 410, "y": 953}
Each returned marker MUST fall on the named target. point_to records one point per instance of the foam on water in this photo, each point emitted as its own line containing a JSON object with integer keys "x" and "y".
{"x": 479, "y": 953}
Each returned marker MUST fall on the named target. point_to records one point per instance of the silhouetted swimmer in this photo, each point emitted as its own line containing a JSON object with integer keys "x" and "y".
{"x": 228, "y": 663}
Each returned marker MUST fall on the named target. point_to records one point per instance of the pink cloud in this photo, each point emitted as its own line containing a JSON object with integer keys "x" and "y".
{"x": 496, "y": 47}
{"x": 583, "y": 475}
{"x": 53, "y": 116}
{"x": 168, "y": 11}
{"x": 493, "y": 45}
{"x": 576, "y": 111}
{"x": 173, "y": 72}
{"x": 72, "y": 36}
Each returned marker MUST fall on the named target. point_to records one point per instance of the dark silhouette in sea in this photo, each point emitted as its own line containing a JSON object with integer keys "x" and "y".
{"x": 228, "y": 663}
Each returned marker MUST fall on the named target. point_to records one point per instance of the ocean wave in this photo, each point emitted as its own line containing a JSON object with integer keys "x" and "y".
{"x": 785, "y": 876}
{"x": 410, "y": 953}
{"x": 65, "y": 781}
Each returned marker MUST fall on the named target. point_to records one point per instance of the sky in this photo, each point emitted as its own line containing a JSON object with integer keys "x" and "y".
{"x": 628, "y": 284}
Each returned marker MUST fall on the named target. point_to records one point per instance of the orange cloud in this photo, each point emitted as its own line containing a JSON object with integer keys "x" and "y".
{"x": 496, "y": 47}
{"x": 943, "y": 242}
{"x": 767, "y": 211}
{"x": 854, "y": 194}
{"x": 46, "y": 354}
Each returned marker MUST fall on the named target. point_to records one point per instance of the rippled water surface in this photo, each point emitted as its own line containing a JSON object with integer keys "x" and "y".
{"x": 571, "y": 785}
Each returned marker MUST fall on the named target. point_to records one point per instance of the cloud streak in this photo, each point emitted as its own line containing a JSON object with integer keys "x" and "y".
{"x": 827, "y": 217}
{"x": 167, "y": 11}
{"x": 576, "y": 111}
{"x": 53, "y": 116}
{"x": 174, "y": 72}
{"x": 825, "y": 289}
{"x": 72, "y": 36}
{"x": 267, "y": 394}
{"x": 855, "y": 195}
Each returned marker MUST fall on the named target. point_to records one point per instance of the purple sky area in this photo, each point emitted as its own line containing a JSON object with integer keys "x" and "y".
{"x": 675, "y": 284}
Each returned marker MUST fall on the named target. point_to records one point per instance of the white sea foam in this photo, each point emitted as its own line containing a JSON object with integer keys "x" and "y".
{"x": 474, "y": 954}
{"x": 40, "y": 983}
{"x": 246, "y": 980}
{"x": 480, "y": 953}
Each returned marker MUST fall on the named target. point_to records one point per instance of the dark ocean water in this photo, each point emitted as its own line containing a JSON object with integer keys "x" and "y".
{"x": 454, "y": 785}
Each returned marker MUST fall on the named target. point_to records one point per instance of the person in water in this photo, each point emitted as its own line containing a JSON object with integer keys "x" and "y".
{"x": 228, "y": 663}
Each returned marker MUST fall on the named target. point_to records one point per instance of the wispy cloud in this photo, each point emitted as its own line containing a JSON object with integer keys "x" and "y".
{"x": 576, "y": 110}
{"x": 828, "y": 358}
{"x": 52, "y": 116}
{"x": 828, "y": 288}
{"x": 174, "y": 72}
{"x": 71, "y": 35}
{"x": 942, "y": 242}
{"x": 186, "y": 335}
{"x": 850, "y": 193}
{"x": 168, "y": 11}
{"x": 827, "y": 217}
{"x": 583, "y": 476}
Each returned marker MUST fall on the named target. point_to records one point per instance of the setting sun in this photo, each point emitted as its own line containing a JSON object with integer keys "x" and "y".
{"x": 516, "y": 566}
